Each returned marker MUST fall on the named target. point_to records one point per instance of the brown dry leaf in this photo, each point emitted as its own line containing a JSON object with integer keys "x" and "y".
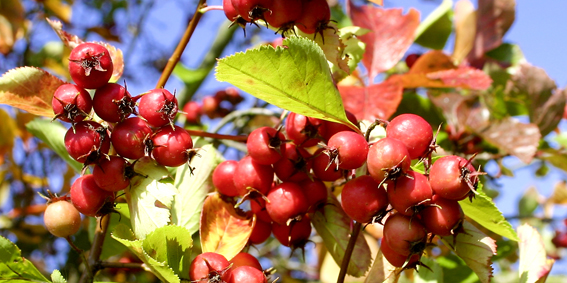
{"x": 377, "y": 101}
{"x": 465, "y": 29}
{"x": 12, "y": 20}
{"x": 68, "y": 39}
{"x": 60, "y": 9}
{"x": 559, "y": 195}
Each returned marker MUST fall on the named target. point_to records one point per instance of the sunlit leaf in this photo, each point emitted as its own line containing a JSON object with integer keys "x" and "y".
{"x": 52, "y": 134}
{"x": 483, "y": 211}
{"x": 434, "y": 31}
{"x": 465, "y": 29}
{"x": 57, "y": 277}
{"x": 14, "y": 267}
{"x": 377, "y": 101}
{"x": 193, "y": 186}
{"x": 68, "y": 39}
{"x": 529, "y": 202}
{"x": 476, "y": 249}
{"x": 8, "y": 132}
{"x": 30, "y": 89}
{"x": 391, "y": 35}
{"x": 559, "y": 195}
{"x": 534, "y": 264}
{"x": 433, "y": 273}
{"x": 333, "y": 225}
{"x": 507, "y": 53}
{"x": 12, "y": 21}
{"x": 295, "y": 77}
{"x": 59, "y": 8}
{"x": 223, "y": 229}
{"x": 170, "y": 244}
{"x": 146, "y": 192}
{"x": 380, "y": 270}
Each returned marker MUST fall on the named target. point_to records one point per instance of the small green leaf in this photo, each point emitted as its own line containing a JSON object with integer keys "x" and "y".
{"x": 333, "y": 225}
{"x": 193, "y": 186}
{"x": 434, "y": 31}
{"x": 56, "y": 277}
{"x": 171, "y": 244}
{"x": 483, "y": 211}
{"x": 507, "y": 53}
{"x": 295, "y": 77}
{"x": 52, "y": 134}
{"x": 433, "y": 274}
{"x": 528, "y": 203}
{"x": 15, "y": 268}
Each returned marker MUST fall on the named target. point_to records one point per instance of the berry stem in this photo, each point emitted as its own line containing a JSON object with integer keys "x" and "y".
{"x": 198, "y": 133}
{"x": 211, "y": 8}
{"x": 110, "y": 264}
{"x": 96, "y": 249}
{"x": 348, "y": 252}
{"x": 83, "y": 257}
{"x": 181, "y": 45}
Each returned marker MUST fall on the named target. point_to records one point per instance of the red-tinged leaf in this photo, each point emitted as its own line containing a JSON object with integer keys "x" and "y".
{"x": 494, "y": 18}
{"x": 30, "y": 89}
{"x": 465, "y": 29}
{"x": 534, "y": 264}
{"x": 68, "y": 39}
{"x": 223, "y": 230}
{"x": 391, "y": 35}
{"x": 463, "y": 77}
{"x": 476, "y": 249}
{"x": 378, "y": 101}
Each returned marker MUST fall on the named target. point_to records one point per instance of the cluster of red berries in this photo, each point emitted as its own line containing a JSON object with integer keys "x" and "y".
{"x": 310, "y": 16}
{"x": 213, "y": 267}
{"x": 212, "y": 106}
{"x": 150, "y": 132}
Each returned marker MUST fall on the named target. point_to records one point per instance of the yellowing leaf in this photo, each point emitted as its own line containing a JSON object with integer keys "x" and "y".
{"x": 60, "y": 9}
{"x": 12, "y": 19}
{"x": 8, "y": 131}
{"x": 534, "y": 264}
{"x": 68, "y": 39}
{"x": 30, "y": 89}
{"x": 144, "y": 196}
{"x": 223, "y": 230}
{"x": 465, "y": 29}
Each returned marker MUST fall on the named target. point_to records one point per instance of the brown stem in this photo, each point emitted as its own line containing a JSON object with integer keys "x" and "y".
{"x": 348, "y": 253}
{"x": 82, "y": 254}
{"x": 96, "y": 249}
{"x": 110, "y": 264}
{"x": 181, "y": 45}
{"x": 217, "y": 136}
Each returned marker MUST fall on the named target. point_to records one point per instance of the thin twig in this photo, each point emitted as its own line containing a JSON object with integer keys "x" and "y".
{"x": 211, "y": 8}
{"x": 198, "y": 133}
{"x": 96, "y": 249}
{"x": 110, "y": 264}
{"x": 181, "y": 46}
{"x": 82, "y": 254}
{"x": 348, "y": 253}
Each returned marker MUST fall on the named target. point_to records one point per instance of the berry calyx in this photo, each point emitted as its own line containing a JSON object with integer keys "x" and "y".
{"x": 87, "y": 142}
{"x": 347, "y": 150}
{"x": 388, "y": 159}
{"x": 112, "y": 174}
{"x": 210, "y": 268}
{"x": 90, "y": 65}
{"x": 158, "y": 107}
{"x": 113, "y": 103}
{"x": 453, "y": 177}
{"x": 266, "y": 145}
{"x": 71, "y": 103}
{"x": 172, "y": 146}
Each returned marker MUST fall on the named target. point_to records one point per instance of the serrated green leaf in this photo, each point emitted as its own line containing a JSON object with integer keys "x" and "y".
{"x": 15, "y": 268}
{"x": 53, "y": 134}
{"x": 333, "y": 225}
{"x": 193, "y": 187}
{"x": 144, "y": 192}
{"x": 295, "y": 77}
{"x": 434, "y": 31}
{"x": 432, "y": 274}
{"x": 476, "y": 249}
{"x": 456, "y": 270}
{"x": 56, "y": 277}
{"x": 484, "y": 212}
{"x": 171, "y": 244}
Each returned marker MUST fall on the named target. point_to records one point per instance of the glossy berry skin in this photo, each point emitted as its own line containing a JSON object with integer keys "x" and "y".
{"x": 362, "y": 199}
{"x": 62, "y": 219}
{"x": 71, "y": 103}
{"x": 229, "y": 10}
{"x": 251, "y": 10}
{"x": 411, "y": 59}
{"x": 559, "y": 240}
{"x": 286, "y": 201}
{"x": 302, "y": 130}
{"x": 158, "y": 107}
{"x": 90, "y": 65}
{"x": 283, "y": 13}
{"x": 394, "y": 258}
{"x": 403, "y": 231}
{"x": 331, "y": 128}
{"x": 352, "y": 149}
{"x": 261, "y": 232}
{"x": 294, "y": 235}
{"x": 247, "y": 274}
{"x": 384, "y": 154}
{"x": 316, "y": 15}
{"x": 88, "y": 142}
{"x": 258, "y": 207}
{"x": 110, "y": 174}
{"x": 223, "y": 178}
{"x": 413, "y": 131}
{"x": 324, "y": 172}
{"x": 171, "y": 146}
{"x": 315, "y": 192}
{"x": 113, "y": 103}
{"x": 442, "y": 216}
{"x": 211, "y": 106}
{"x": 246, "y": 259}
{"x": 445, "y": 177}
{"x": 266, "y": 145}
{"x": 406, "y": 193}
{"x": 216, "y": 269}
{"x": 87, "y": 197}
{"x": 192, "y": 112}
{"x": 251, "y": 174}
{"x": 129, "y": 137}
{"x": 294, "y": 164}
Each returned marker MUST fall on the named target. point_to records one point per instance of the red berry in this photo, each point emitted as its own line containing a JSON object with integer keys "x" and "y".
{"x": 110, "y": 174}
{"x": 452, "y": 177}
{"x": 71, "y": 103}
{"x": 223, "y": 178}
{"x": 210, "y": 267}
{"x": 192, "y": 112}
{"x": 246, "y": 259}
{"x": 559, "y": 240}
{"x": 442, "y": 217}
{"x": 266, "y": 145}
{"x": 172, "y": 146}
{"x": 251, "y": 174}
{"x": 251, "y": 10}
{"x": 411, "y": 59}
{"x": 331, "y": 128}
{"x": 282, "y": 14}
{"x": 89, "y": 198}
{"x": 409, "y": 193}
{"x": 62, "y": 219}
{"x": 394, "y": 258}
{"x": 211, "y": 106}
{"x": 286, "y": 201}
{"x": 315, "y": 192}
{"x": 413, "y": 131}
{"x": 348, "y": 149}
{"x": 129, "y": 138}
{"x": 87, "y": 142}
{"x": 315, "y": 17}
{"x": 324, "y": 169}
{"x": 261, "y": 232}
{"x": 362, "y": 199}
{"x": 302, "y": 130}
{"x": 247, "y": 274}
{"x": 294, "y": 165}
{"x": 90, "y": 65}
{"x": 405, "y": 234}
{"x": 258, "y": 207}
{"x": 296, "y": 234}
{"x": 388, "y": 158}
{"x": 113, "y": 103}
{"x": 158, "y": 107}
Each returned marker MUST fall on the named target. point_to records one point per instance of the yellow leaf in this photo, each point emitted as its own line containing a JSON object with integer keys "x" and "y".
{"x": 377, "y": 2}
{"x": 60, "y": 9}
{"x": 534, "y": 264}
{"x": 12, "y": 19}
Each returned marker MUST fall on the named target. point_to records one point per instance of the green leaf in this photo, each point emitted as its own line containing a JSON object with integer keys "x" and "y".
{"x": 56, "y": 277}
{"x": 475, "y": 248}
{"x": 295, "y": 77}
{"x": 53, "y": 134}
{"x": 13, "y": 266}
{"x": 193, "y": 187}
{"x": 189, "y": 76}
{"x": 483, "y": 211}
{"x": 170, "y": 244}
{"x": 425, "y": 275}
{"x": 456, "y": 270}
{"x": 507, "y": 53}
{"x": 144, "y": 192}
{"x": 333, "y": 225}
{"x": 434, "y": 31}
{"x": 534, "y": 264}
{"x": 528, "y": 203}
